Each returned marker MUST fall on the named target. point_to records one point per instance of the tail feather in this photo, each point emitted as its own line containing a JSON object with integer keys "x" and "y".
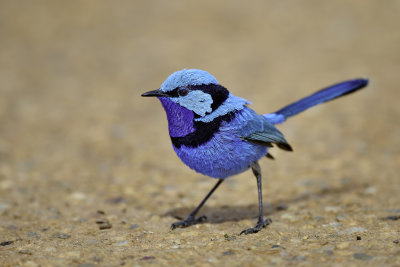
{"x": 323, "y": 95}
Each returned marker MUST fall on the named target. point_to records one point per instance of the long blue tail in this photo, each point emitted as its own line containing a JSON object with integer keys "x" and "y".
{"x": 323, "y": 95}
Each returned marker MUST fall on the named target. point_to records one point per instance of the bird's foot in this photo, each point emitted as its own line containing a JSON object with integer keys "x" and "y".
{"x": 260, "y": 225}
{"x": 188, "y": 222}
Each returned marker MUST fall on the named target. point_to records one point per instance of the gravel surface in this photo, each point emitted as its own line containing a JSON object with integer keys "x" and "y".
{"x": 87, "y": 172}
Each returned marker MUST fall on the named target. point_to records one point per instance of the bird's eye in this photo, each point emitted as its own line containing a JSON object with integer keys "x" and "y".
{"x": 183, "y": 91}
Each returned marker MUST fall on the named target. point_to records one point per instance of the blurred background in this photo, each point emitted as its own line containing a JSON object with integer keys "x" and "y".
{"x": 76, "y": 138}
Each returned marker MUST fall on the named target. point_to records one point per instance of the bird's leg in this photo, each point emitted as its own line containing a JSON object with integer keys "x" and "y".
{"x": 261, "y": 222}
{"x": 191, "y": 220}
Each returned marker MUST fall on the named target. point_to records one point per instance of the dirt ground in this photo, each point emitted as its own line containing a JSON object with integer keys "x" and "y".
{"x": 88, "y": 175}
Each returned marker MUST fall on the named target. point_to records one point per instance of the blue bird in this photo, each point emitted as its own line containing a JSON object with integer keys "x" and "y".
{"x": 216, "y": 134}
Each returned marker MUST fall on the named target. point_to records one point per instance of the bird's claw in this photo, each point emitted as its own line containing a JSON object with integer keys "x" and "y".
{"x": 260, "y": 225}
{"x": 188, "y": 222}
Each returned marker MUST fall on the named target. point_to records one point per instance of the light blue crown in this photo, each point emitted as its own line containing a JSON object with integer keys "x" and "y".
{"x": 187, "y": 77}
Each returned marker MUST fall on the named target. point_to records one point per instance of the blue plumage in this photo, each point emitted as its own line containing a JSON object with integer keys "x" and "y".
{"x": 322, "y": 96}
{"x": 215, "y": 133}
{"x": 226, "y": 154}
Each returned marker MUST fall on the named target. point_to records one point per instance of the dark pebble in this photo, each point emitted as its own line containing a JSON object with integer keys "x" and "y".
{"x": 397, "y": 241}
{"x": 362, "y": 256}
{"x": 282, "y": 207}
{"x": 358, "y": 237}
{"x": 298, "y": 258}
{"x": 6, "y": 243}
{"x": 33, "y": 234}
{"x": 25, "y": 251}
{"x": 228, "y": 252}
{"x": 97, "y": 259}
{"x": 147, "y": 258}
{"x": 277, "y": 246}
{"x": 319, "y": 218}
{"x": 229, "y": 238}
{"x": 61, "y": 236}
{"x": 133, "y": 226}
{"x": 101, "y": 212}
{"x": 104, "y": 224}
{"x": 115, "y": 200}
{"x": 392, "y": 217}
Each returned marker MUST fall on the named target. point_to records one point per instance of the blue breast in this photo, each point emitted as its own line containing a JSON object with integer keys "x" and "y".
{"x": 180, "y": 119}
{"x": 225, "y": 153}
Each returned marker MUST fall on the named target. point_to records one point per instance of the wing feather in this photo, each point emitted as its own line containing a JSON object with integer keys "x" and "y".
{"x": 262, "y": 132}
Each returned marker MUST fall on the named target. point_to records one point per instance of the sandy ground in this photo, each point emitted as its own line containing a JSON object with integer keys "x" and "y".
{"x": 87, "y": 172}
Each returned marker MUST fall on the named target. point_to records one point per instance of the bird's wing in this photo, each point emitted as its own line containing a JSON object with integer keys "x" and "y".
{"x": 258, "y": 130}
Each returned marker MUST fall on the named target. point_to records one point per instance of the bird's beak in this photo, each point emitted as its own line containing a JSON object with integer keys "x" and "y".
{"x": 157, "y": 93}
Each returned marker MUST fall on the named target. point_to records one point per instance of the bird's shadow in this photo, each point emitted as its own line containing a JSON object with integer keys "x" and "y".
{"x": 227, "y": 213}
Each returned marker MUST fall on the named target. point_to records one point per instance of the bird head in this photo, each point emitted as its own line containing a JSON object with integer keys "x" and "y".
{"x": 193, "y": 89}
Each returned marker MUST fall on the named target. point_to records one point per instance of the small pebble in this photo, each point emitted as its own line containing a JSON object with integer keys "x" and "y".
{"x": 319, "y": 218}
{"x": 78, "y": 196}
{"x": 352, "y": 230}
{"x": 33, "y": 234}
{"x": 147, "y": 258}
{"x": 122, "y": 243}
{"x": 61, "y": 236}
{"x": 335, "y": 224}
{"x": 332, "y": 209}
{"x": 25, "y": 251}
{"x": 328, "y": 250}
{"x": 115, "y": 200}
{"x": 397, "y": 241}
{"x": 343, "y": 245}
{"x": 228, "y": 252}
{"x": 358, "y": 237}
{"x": 339, "y": 218}
{"x": 97, "y": 259}
{"x": 392, "y": 217}
{"x": 370, "y": 190}
{"x": 133, "y": 226}
{"x": 282, "y": 207}
{"x": 104, "y": 224}
{"x": 6, "y": 243}
{"x": 229, "y": 238}
{"x": 362, "y": 256}
{"x": 298, "y": 258}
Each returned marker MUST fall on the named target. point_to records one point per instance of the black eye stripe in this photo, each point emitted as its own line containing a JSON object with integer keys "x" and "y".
{"x": 183, "y": 91}
{"x": 179, "y": 91}
{"x": 173, "y": 93}
{"x": 218, "y": 93}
